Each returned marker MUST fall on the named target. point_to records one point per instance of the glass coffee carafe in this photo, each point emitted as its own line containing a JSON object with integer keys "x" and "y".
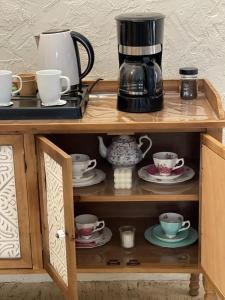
{"x": 140, "y": 79}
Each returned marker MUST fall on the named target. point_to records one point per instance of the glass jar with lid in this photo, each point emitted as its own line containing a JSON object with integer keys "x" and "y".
{"x": 188, "y": 83}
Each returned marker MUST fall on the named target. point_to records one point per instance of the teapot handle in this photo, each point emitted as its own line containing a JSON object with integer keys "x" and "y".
{"x": 145, "y": 137}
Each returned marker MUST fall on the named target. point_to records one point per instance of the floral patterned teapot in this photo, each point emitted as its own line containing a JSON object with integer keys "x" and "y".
{"x": 124, "y": 151}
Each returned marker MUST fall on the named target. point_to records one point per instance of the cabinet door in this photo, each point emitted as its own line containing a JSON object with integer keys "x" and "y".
{"x": 213, "y": 212}
{"x": 57, "y": 210}
{"x": 15, "y": 249}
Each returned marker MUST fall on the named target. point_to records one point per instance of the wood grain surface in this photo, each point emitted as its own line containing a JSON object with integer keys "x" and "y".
{"x": 102, "y": 116}
{"x": 212, "y": 210}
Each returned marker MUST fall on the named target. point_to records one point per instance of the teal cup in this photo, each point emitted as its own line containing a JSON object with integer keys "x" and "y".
{"x": 173, "y": 223}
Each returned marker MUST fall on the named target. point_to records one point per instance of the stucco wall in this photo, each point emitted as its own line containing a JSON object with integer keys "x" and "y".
{"x": 194, "y": 32}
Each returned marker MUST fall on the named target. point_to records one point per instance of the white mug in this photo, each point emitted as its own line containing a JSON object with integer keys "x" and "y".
{"x": 6, "y": 93}
{"x": 82, "y": 164}
{"x": 87, "y": 224}
{"x": 50, "y": 87}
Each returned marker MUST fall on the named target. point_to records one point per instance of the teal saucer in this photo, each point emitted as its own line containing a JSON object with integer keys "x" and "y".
{"x": 191, "y": 238}
{"x": 160, "y": 235}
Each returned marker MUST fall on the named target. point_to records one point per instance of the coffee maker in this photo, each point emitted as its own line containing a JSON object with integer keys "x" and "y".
{"x": 140, "y": 44}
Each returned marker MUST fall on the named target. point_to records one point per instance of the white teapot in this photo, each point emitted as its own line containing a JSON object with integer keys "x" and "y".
{"x": 124, "y": 151}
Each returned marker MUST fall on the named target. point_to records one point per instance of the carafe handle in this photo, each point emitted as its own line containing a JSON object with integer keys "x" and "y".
{"x": 77, "y": 37}
{"x": 151, "y": 81}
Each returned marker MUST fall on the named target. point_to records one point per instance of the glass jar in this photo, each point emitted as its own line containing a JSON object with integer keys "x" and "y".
{"x": 127, "y": 236}
{"x": 188, "y": 83}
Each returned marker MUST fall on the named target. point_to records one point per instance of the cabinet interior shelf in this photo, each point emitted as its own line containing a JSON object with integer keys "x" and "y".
{"x": 151, "y": 258}
{"x": 141, "y": 191}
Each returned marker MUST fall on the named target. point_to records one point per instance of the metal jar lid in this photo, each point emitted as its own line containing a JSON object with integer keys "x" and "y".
{"x": 188, "y": 71}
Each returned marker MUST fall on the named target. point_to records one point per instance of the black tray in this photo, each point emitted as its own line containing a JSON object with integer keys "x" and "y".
{"x": 28, "y": 108}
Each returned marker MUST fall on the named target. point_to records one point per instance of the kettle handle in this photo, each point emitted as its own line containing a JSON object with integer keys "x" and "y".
{"x": 77, "y": 37}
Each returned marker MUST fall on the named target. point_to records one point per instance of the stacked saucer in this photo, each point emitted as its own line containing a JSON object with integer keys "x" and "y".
{"x": 172, "y": 232}
{"x": 91, "y": 233}
{"x": 151, "y": 174}
{"x": 96, "y": 240}
{"x": 90, "y": 178}
{"x": 167, "y": 169}
{"x": 84, "y": 171}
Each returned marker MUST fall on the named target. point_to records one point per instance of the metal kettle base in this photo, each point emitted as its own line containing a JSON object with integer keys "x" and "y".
{"x": 139, "y": 104}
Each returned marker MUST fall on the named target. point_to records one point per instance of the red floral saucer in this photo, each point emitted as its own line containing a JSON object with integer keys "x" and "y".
{"x": 153, "y": 171}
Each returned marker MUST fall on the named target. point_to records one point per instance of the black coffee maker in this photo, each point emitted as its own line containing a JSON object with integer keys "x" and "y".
{"x": 140, "y": 44}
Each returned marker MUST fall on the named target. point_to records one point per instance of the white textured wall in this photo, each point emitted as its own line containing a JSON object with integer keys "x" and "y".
{"x": 194, "y": 32}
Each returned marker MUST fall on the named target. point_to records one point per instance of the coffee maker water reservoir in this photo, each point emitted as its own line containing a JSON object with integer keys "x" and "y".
{"x": 140, "y": 40}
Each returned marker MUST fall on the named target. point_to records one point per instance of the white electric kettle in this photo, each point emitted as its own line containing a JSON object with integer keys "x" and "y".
{"x": 58, "y": 49}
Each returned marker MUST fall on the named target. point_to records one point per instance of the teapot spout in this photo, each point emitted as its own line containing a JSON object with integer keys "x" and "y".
{"x": 37, "y": 38}
{"x": 102, "y": 147}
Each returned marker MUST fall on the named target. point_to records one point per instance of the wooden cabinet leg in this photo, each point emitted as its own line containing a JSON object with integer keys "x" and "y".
{"x": 194, "y": 285}
{"x": 210, "y": 293}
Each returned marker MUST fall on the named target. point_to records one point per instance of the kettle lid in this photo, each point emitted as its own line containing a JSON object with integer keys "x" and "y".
{"x": 51, "y": 31}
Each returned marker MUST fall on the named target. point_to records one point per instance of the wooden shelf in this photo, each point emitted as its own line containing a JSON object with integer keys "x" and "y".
{"x": 151, "y": 258}
{"x": 141, "y": 191}
{"x": 102, "y": 116}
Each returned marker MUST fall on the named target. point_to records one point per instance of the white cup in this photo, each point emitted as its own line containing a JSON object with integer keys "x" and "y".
{"x": 82, "y": 164}
{"x": 166, "y": 162}
{"x": 173, "y": 223}
{"x": 6, "y": 93}
{"x": 50, "y": 86}
{"x": 87, "y": 224}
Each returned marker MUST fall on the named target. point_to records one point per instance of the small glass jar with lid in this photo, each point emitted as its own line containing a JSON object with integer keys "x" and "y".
{"x": 188, "y": 83}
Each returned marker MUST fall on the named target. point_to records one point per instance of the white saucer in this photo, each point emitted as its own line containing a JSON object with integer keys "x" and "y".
{"x": 187, "y": 175}
{"x": 96, "y": 236}
{"x": 86, "y": 176}
{"x": 6, "y": 104}
{"x": 98, "y": 177}
{"x": 59, "y": 102}
{"x": 172, "y": 176}
{"x": 105, "y": 237}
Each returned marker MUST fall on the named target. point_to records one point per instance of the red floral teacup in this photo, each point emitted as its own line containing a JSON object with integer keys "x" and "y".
{"x": 166, "y": 162}
{"x": 87, "y": 224}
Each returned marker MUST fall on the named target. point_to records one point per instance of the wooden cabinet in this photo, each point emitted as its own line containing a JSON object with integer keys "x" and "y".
{"x": 181, "y": 127}
{"x": 139, "y": 207}
{"x": 15, "y": 249}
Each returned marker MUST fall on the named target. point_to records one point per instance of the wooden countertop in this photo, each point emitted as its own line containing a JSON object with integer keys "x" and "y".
{"x": 102, "y": 116}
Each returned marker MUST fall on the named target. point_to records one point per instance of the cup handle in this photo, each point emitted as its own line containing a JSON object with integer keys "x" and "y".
{"x": 21, "y": 84}
{"x": 185, "y": 228}
{"x": 178, "y": 161}
{"x": 99, "y": 226}
{"x": 94, "y": 162}
{"x": 145, "y": 137}
{"x": 68, "y": 84}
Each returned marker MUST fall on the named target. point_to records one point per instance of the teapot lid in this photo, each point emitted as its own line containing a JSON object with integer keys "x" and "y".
{"x": 51, "y": 31}
{"x": 123, "y": 139}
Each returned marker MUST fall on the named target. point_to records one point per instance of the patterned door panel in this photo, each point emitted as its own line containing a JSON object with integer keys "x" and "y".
{"x": 15, "y": 251}
{"x": 9, "y": 227}
{"x": 56, "y": 196}
{"x": 55, "y": 208}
